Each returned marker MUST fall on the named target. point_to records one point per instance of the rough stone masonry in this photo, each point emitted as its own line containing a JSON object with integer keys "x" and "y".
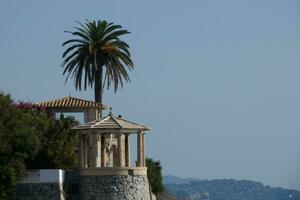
{"x": 126, "y": 187}
{"x": 111, "y": 187}
{"x": 39, "y": 191}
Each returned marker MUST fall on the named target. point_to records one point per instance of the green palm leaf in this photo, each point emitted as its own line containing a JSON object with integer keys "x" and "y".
{"x": 97, "y": 51}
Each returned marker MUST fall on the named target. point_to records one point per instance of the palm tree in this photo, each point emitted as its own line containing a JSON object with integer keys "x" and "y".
{"x": 95, "y": 54}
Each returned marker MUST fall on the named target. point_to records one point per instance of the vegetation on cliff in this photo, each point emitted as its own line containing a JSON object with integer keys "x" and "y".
{"x": 29, "y": 138}
{"x": 156, "y": 180}
{"x": 154, "y": 175}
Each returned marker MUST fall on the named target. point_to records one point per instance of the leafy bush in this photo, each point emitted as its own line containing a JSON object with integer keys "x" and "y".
{"x": 154, "y": 175}
{"x": 29, "y": 138}
{"x": 58, "y": 146}
{"x": 20, "y": 135}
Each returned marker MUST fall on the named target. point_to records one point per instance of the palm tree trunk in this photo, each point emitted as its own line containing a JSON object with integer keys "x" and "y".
{"x": 98, "y": 86}
{"x": 98, "y": 82}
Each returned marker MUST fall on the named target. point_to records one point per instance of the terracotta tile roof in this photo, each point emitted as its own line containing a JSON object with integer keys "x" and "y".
{"x": 70, "y": 102}
{"x": 111, "y": 122}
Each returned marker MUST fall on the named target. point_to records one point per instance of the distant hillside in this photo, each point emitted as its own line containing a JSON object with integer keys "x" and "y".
{"x": 226, "y": 189}
{"x": 164, "y": 196}
{"x": 168, "y": 179}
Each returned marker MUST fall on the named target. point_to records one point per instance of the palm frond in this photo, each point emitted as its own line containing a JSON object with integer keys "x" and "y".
{"x": 97, "y": 42}
{"x": 114, "y": 35}
{"x": 73, "y": 40}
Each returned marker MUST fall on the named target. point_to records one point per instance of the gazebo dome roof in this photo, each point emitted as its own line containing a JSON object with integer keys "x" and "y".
{"x": 112, "y": 123}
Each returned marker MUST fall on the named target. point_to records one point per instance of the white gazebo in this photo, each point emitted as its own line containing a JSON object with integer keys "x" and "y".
{"x": 110, "y": 153}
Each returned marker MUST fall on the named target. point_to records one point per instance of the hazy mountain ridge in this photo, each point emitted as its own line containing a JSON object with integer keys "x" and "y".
{"x": 227, "y": 189}
{"x": 169, "y": 179}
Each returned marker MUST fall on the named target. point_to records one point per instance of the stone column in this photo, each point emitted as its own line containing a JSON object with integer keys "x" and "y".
{"x": 115, "y": 156}
{"x": 85, "y": 152}
{"x": 95, "y": 143}
{"x": 103, "y": 153}
{"x": 85, "y": 116}
{"x": 143, "y": 151}
{"x": 90, "y": 115}
{"x": 127, "y": 151}
{"x": 93, "y": 153}
{"x": 98, "y": 149}
{"x": 98, "y": 113}
{"x": 121, "y": 150}
{"x": 139, "y": 149}
{"x": 90, "y": 149}
{"x": 81, "y": 152}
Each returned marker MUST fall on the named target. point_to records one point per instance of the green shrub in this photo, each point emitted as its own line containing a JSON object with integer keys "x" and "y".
{"x": 59, "y": 146}
{"x": 29, "y": 138}
{"x": 154, "y": 175}
{"x": 20, "y": 135}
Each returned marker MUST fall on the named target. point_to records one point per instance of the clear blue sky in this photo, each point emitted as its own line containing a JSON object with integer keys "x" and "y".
{"x": 218, "y": 81}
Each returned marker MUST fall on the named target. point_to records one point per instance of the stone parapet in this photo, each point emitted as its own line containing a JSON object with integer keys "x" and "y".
{"x": 130, "y": 183}
{"x": 41, "y": 184}
{"x": 108, "y": 171}
{"x": 39, "y": 191}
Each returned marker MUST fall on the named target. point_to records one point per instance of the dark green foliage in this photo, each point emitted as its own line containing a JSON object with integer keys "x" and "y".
{"x": 154, "y": 175}
{"x": 30, "y": 139}
{"x": 59, "y": 146}
{"x": 20, "y": 135}
{"x": 230, "y": 189}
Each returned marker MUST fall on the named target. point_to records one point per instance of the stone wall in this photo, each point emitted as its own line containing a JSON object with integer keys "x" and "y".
{"x": 39, "y": 191}
{"x": 86, "y": 187}
{"x": 124, "y": 187}
{"x": 41, "y": 184}
{"x": 71, "y": 185}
